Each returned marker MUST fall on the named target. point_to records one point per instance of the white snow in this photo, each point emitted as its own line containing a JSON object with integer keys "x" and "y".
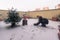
{"x": 29, "y": 32}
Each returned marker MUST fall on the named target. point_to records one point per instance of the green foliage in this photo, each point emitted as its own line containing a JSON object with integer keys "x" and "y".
{"x": 13, "y": 17}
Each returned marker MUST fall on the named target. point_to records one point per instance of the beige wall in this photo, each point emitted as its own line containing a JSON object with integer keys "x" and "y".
{"x": 3, "y": 14}
{"x": 46, "y": 14}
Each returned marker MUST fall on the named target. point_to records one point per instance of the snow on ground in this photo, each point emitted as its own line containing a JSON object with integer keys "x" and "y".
{"x": 29, "y": 32}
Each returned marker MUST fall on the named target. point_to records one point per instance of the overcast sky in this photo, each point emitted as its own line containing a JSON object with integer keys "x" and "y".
{"x": 28, "y": 5}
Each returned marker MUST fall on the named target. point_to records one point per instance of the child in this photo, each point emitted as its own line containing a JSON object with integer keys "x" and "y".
{"x": 42, "y": 21}
{"x": 24, "y": 22}
{"x": 59, "y": 32}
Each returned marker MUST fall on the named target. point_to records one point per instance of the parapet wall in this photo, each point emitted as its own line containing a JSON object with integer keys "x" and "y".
{"x": 45, "y": 13}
